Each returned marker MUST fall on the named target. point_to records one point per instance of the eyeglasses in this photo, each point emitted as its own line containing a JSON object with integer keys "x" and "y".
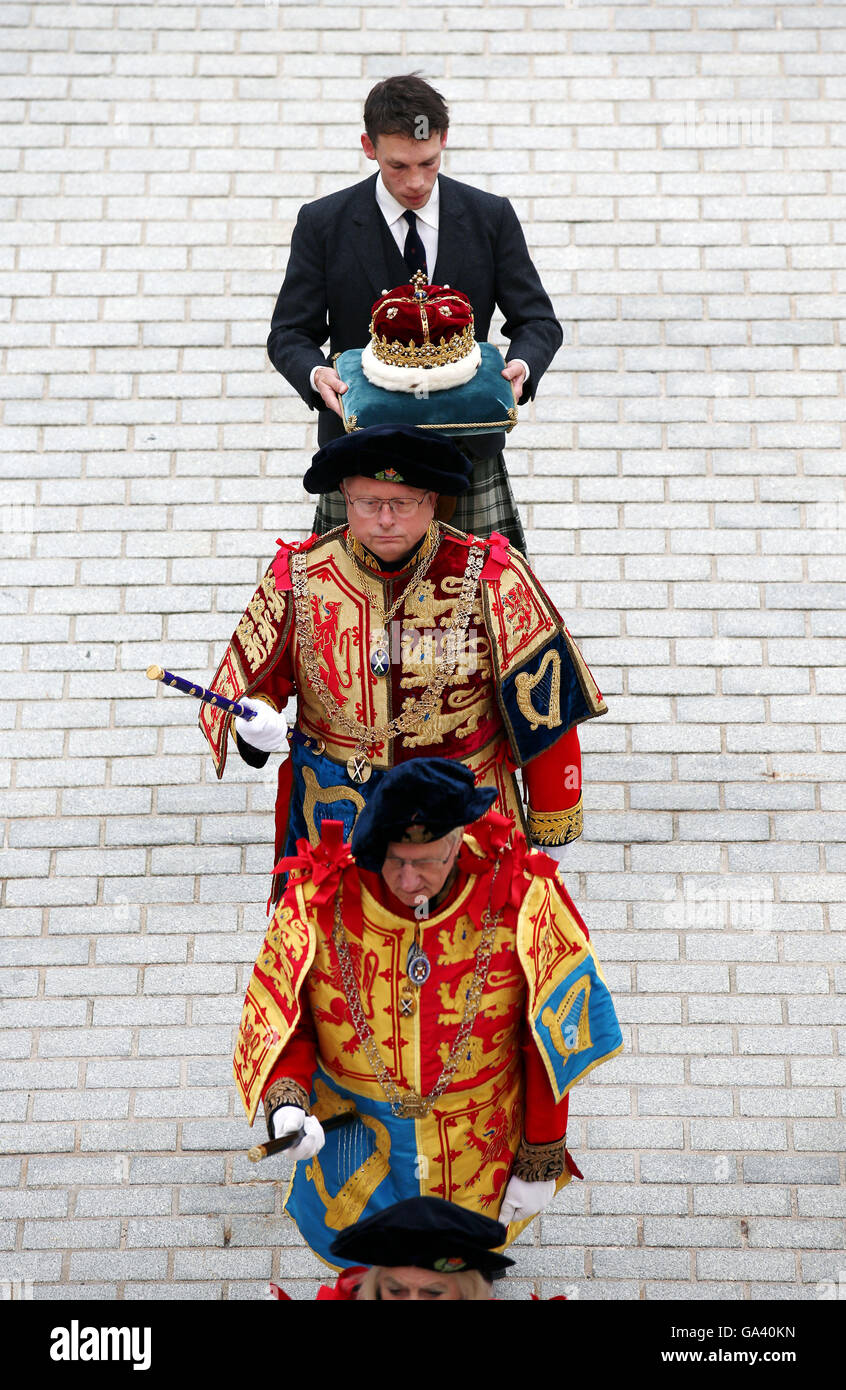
{"x": 397, "y": 862}
{"x": 372, "y": 506}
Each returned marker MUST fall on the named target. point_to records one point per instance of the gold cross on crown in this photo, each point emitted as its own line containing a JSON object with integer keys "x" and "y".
{"x": 420, "y": 281}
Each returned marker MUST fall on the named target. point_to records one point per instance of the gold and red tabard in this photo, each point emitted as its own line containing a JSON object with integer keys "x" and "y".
{"x": 482, "y": 1118}
{"x": 463, "y": 1144}
{"x": 519, "y": 688}
{"x": 347, "y": 636}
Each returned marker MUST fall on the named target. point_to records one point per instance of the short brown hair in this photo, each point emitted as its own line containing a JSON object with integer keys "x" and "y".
{"x": 405, "y": 106}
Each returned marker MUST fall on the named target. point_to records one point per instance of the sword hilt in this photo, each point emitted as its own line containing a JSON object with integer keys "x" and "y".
{"x": 208, "y": 697}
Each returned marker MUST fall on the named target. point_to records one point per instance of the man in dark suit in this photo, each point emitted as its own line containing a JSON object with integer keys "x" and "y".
{"x": 350, "y": 247}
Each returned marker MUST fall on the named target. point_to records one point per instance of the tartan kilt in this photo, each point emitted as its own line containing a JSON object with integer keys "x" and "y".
{"x": 487, "y": 506}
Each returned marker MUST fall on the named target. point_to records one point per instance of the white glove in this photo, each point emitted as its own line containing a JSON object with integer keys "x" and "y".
{"x": 268, "y": 731}
{"x": 287, "y": 1120}
{"x": 524, "y": 1199}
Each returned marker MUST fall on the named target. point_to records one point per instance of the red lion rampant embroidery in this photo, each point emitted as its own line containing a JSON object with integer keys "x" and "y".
{"x": 517, "y": 606}
{"x": 325, "y": 618}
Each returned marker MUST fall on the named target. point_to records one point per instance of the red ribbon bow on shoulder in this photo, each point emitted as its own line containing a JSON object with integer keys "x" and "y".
{"x": 323, "y": 862}
{"x": 525, "y": 862}
{"x": 493, "y": 834}
{"x": 498, "y": 556}
{"x": 532, "y": 861}
{"x": 346, "y": 1287}
{"x": 281, "y": 561}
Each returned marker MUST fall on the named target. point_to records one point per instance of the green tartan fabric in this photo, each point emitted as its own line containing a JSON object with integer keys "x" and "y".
{"x": 487, "y": 506}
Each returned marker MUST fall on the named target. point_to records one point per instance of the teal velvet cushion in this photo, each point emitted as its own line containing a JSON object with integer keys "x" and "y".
{"x": 484, "y": 405}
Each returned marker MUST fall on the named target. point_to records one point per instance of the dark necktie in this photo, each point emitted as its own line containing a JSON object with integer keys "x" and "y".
{"x": 414, "y": 253}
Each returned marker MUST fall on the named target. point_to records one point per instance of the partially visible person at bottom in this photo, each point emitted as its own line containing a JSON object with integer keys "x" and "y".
{"x": 425, "y": 1249}
{"x": 421, "y": 1250}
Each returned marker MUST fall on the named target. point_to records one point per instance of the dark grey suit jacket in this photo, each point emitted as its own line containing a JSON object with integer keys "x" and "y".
{"x": 343, "y": 257}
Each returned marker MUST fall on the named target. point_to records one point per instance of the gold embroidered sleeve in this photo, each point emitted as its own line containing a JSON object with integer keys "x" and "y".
{"x": 555, "y": 827}
{"x": 540, "y": 1162}
{"x": 283, "y": 1092}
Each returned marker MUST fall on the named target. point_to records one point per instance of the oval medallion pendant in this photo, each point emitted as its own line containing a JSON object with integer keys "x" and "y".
{"x": 417, "y": 966}
{"x": 380, "y": 661}
{"x": 359, "y": 767}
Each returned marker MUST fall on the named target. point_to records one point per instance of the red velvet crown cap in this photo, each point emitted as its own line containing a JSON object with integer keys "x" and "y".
{"x": 421, "y": 325}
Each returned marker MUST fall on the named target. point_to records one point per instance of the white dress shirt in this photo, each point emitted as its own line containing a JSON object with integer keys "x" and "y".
{"x": 427, "y": 221}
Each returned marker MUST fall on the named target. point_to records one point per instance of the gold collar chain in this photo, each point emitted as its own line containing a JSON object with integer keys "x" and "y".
{"x": 429, "y": 549}
{"x": 415, "y": 712}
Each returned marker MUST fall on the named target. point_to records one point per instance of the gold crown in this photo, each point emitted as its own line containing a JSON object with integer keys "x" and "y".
{"x": 427, "y": 353}
{"x": 425, "y": 305}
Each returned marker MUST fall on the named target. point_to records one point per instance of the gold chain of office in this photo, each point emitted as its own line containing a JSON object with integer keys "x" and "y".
{"x": 431, "y": 546}
{"x": 415, "y": 712}
{"x": 410, "y": 1104}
